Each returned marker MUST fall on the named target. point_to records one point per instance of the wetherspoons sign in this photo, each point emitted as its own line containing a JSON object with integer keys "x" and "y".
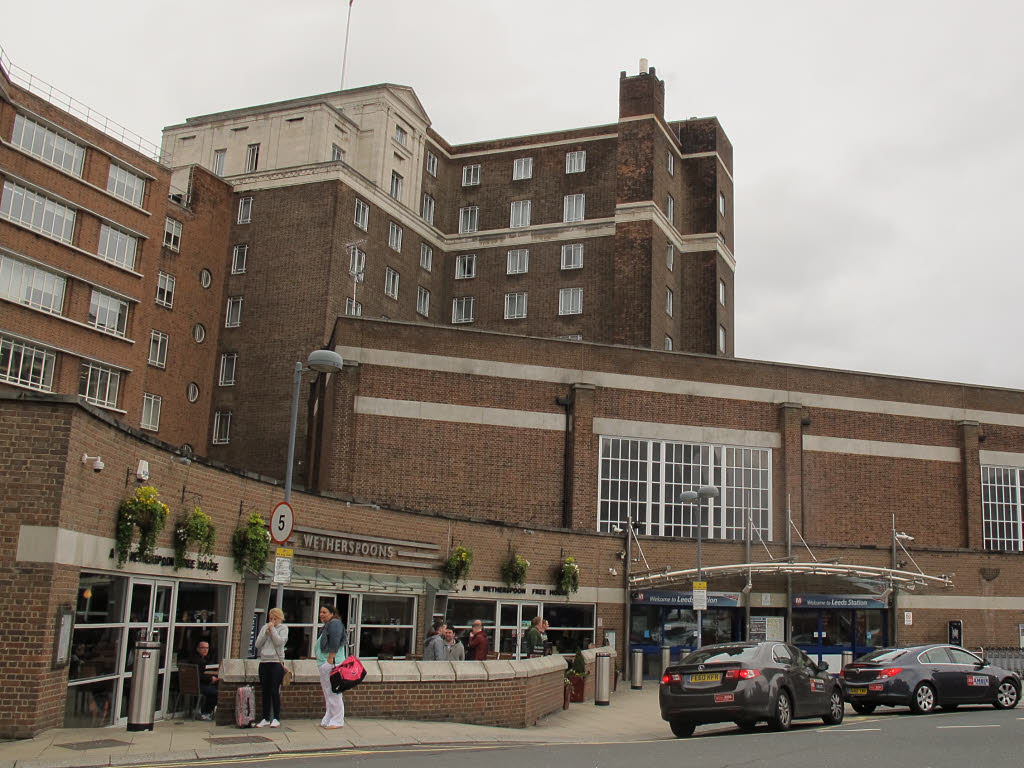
{"x": 358, "y": 548}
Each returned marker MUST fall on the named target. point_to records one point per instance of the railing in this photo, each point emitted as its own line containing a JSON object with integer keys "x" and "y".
{"x": 1007, "y": 658}
{"x": 74, "y": 107}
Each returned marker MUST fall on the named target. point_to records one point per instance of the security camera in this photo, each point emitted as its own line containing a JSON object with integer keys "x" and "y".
{"x": 93, "y": 461}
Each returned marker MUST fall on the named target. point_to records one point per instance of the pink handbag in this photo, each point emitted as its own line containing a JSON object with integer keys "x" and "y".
{"x": 348, "y": 674}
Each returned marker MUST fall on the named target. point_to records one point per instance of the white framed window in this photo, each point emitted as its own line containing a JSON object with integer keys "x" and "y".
{"x": 668, "y": 302}
{"x": 126, "y": 185}
{"x": 26, "y": 365}
{"x": 357, "y": 263}
{"x": 29, "y": 285}
{"x": 394, "y": 236}
{"x": 423, "y": 301}
{"x": 668, "y": 339}
{"x": 670, "y": 257}
{"x": 362, "y": 215}
{"x": 218, "y": 161}
{"x": 671, "y": 163}
{"x": 401, "y": 135}
{"x": 117, "y": 247}
{"x": 245, "y": 210}
{"x": 151, "y": 405}
{"x": 670, "y": 209}
{"x": 37, "y": 212}
{"x": 233, "y": 316}
{"x": 98, "y": 384}
{"x": 1002, "y": 508}
{"x": 353, "y": 308}
{"x": 165, "y": 290}
{"x": 205, "y": 277}
{"x": 470, "y": 175}
{"x": 199, "y": 333}
{"x": 192, "y": 392}
{"x": 721, "y": 292}
{"x": 575, "y": 162}
{"x": 522, "y": 168}
{"x": 108, "y": 314}
{"x": 721, "y": 203}
{"x": 396, "y": 185}
{"x": 222, "y": 427}
{"x": 721, "y": 338}
{"x": 570, "y": 301}
{"x": 172, "y": 234}
{"x": 337, "y": 153}
{"x": 426, "y": 256}
{"x": 431, "y": 163}
{"x": 228, "y": 366}
{"x": 520, "y": 214}
{"x": 428, "y": 208}
{"x": 158, "y": 349}
{"x": 465, "y": 266}
{"x": 48, "y": 145}
{"x": 239, "y": 257}
{"x": 572, "y": 256}
{"x": 391, "y": 278}
{"x": 518, "y": 261}
{"x": 515, "y": 305}
{"x": 252, "y": 158}
{"x": 469, "y": 219}
{"x": 573, "y": 208}
{"x": 462, "y": 309}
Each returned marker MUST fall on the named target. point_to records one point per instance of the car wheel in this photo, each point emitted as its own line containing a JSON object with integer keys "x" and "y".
{"x": 1007, "y": 695}
{"x": 923, "y": 700}
{"x": 682, "y": 728}
{"x": 783, "y": 717}
{"x": 863, "y": 709}
{"x": 746, "y": 725}
{"x": 836, "y": 708}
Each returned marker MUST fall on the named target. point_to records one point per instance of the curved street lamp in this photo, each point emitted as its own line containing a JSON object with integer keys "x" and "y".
{"x": 321, "y": 361}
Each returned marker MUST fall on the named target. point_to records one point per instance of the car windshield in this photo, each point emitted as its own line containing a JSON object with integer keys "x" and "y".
{"x": 728, "y": 653}
{"x": 883, "y": 655}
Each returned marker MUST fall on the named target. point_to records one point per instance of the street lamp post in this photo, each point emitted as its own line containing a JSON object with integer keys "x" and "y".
{"x": 706, "y": 492}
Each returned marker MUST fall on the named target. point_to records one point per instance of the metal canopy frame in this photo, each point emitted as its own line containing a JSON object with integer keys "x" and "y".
{"x": 343, "y": 580}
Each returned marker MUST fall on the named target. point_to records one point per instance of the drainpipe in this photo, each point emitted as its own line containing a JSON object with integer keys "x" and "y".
{"x": 568, "y": 402}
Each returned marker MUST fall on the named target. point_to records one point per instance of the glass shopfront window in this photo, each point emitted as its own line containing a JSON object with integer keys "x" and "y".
{"x": 387, "y": 626}
{"x": 571, "y": 625}
{"x": 462, "y": 613}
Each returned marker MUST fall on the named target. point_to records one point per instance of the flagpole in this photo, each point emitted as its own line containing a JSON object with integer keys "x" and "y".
{"x": 344, "y": 56}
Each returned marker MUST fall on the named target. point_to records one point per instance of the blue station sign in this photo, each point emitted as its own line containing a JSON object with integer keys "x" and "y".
{"x": 669, "y": 597}
{"x": 838, "y": 601}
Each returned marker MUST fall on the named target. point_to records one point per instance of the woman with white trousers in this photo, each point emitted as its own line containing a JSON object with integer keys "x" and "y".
{"x": 329, "y": 641}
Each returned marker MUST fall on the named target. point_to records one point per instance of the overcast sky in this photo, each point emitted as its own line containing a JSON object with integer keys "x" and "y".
{"x": 879, "y": 146}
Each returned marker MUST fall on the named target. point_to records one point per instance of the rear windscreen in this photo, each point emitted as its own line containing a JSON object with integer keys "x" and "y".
{"x": 883, "y": 655}
{"x": 727, "y": 653}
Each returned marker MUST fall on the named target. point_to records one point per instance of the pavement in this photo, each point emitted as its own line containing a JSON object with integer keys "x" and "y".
{"x": 631, "y": 716}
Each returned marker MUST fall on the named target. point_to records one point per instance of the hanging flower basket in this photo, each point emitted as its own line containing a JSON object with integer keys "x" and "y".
{"x": 568, "y": 576}
{"x": 144, "y": 511}
{"x": 250, "y": 544}
{"x": 196, "y": 531}
{"x": 513, "y": 570}
{"x": 456, "y": 567}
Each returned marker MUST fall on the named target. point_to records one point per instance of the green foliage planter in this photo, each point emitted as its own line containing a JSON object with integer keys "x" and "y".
{"x": 144, "y": 511}
{"x": 513, "y": 570}
{"x": 575, "y": 677}
{"x": 198, "y": 531}
{"x": 456, "y": 567}
{"x": 568, "y": 576}
{"x": 250, "y": 544}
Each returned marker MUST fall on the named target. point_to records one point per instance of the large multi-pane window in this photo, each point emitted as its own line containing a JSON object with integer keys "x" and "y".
{"x": 470, "y": 175}
{"x": 469, "y": 219}
{"x": 1002, "y": 514}
{"x": 37, "y": 212}
{"x": 151, "y": 405}
{"x": 515, "y": 305}
{"x": 465, "y": 266}
{"x": 165, "y": 290}
{"x": 158, "y": 341}
{"x": 572, "y": 256}
{"x": 108, "y": 313}
{"x": 570, "y": 301}
{"x": 98, "y": 384}
{"x": 575, "y": 162}
{"x": 117, "y": 247}
{"x": 642, "y": 480}
{"x": 519, "y": 215}
{"x": 49, "y": 146}
{"x": 573, "y": 208}
{"x": 30, "y": 285}
{"x": 124, "y": 184}
{"x": 462, "y": 309}
{"x": 522, "y": 168}
{"x": 26, "y": 365}
{"x": 518, "y": 261}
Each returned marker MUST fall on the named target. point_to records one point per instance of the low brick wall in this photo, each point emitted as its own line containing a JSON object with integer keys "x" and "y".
{"x": 513, "y": 694}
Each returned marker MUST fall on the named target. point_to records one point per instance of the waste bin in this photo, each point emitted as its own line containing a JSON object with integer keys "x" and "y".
{"x": 636, "y": 669}
{"x": 142, "y": 701}
{"x": 847, "y": 659}
{"x": 666, "y": 657}
{"x": 602, "y": 679}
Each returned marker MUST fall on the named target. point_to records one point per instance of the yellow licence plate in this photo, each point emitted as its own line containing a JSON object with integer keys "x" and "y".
{"x": 706, "y": 677}
{"x": 858, "y": 691}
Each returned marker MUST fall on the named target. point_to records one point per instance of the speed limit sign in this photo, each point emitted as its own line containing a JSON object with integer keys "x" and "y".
{"x": 282, "y": 519}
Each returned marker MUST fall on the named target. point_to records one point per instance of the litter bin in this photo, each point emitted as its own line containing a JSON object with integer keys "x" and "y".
{"x": 847, "y": 659}
{"x": 666, "y": 657}
{"x": 636, "y": 667}
{"x": 603, "y": 679}
{"x": 142, "y": 700}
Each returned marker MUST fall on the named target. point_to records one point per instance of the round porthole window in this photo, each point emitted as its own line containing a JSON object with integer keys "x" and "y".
{"x": 199, "y": 333}
{"x": 193, "y": 392}
{"x": 205, "y": 278}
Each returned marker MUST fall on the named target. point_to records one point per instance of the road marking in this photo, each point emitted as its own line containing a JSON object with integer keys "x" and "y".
{"x": 848, "y": 730}
{"x": 968, "y": 726}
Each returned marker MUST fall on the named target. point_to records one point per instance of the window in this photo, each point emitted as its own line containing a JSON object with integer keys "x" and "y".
{"x": 29, "y": 285}
{"x": 233, "y": 317}
{"x": 631, "y": 468}
{"x": 37, "y": 212}
{"x": 721, "y": 203}
{"x": 469, "y": 219}
{"x": 575, "y": 162}
{"x": 426, "y": 256}
{"x": 522, "y": 168}
{"x": 98, "y": 384}
{"x": 465, "y": 266}
{"x": 668, "y": 302}
{"x": 668, "y": 340}
{"x": 245, "y": 210}
{"x": 572, "y": 256}
{"x": 199, "y": 333}
{"x": 239, "y": 256}
{"x": 394, "y": 236}
{"x": 431, "y": 163}
{"x": 357, "y": 263}
{"x": 470, "y": 175}
{"x": 670, "y": 256}
{"x": 422, "y": 301}
{"x": 218, "y": 161}
{"x": 671, "y": 163}
{"x": 428, "y": 209}
{"x": 353, "y": 308}
{"x": 573, "y": 208}
{"x": 228, "y": 364}
{"x": 172, "y": 234}
{"x": 670, "y": 209}
{"x": 26, "y": 365}
{"x": 205, "y": 278}
{"x": 462, "y": 309}
{"x": 222, "y": 427}
{"x": 48, "y": 146}
{"x": 362, "y": 217}
{"x": 518, "y": 261}
{"x": 117, "y": 247}
{"x": 151, "y": 411}
{"x": 721, "y": 292}
{"x": 108, "y": 314}
{"x": 570, "y": 301}
{"x": 515, "y": 305}
{"x": 391, "y": 283}
{"x": 520, "y": 214}
{"x": 165, "y": 290}
{"x": 1001, "y": 508}
{"x": 252, "y": 158}
{"x": 396, "y": 185}
{"x": 158, "y": 349}
{"x": 126, "y": 185}
{"x": 721, "y": 338}
{"x": 401, "y": 135}
{"x": 337, "y": 153}
{"x": 192, "y": 392}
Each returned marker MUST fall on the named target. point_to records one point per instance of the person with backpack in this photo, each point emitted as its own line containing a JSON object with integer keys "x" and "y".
{"x": 270, "y": 645}
{"x": 329, "y": 644}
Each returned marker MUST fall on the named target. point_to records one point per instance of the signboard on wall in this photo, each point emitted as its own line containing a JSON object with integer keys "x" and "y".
{"x": 360, "y": 548}
{"x": 768, "y": 628}
{"x": 838, "y": 601}
{"x": 685, "y": 599}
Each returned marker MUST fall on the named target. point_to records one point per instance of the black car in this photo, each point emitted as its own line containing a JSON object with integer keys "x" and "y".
{"x": 926, "y": 676}
{"x": 747, "y": 683}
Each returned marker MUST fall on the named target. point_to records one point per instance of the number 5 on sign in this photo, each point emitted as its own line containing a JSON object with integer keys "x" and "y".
{"x": 282, "y": 520}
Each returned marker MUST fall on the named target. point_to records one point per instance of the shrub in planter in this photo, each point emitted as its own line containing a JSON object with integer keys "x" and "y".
{"x": 568, "y": 576}
{"x": 456, "y": 567}
{"x": 250, "y": 544}
{"x": 198, "y": 531}
{"x": 575, "y": 677}
{"x": 513, "y": 570}
{"x": 144, "y": 511}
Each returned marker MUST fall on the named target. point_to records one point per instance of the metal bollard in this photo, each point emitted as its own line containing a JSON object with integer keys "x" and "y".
{"x": 636, "y": 667}
{"x": 847, "y": 658}
{"x": 602, "y": 679}
{"x": 666, "y": 657}
{"x": 142, "y": 699}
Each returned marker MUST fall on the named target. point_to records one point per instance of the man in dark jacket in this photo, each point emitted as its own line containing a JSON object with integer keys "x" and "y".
{"x": 478, "y": 643}
{"x": 207, "y": 678}
{"x": 433, "y": 646}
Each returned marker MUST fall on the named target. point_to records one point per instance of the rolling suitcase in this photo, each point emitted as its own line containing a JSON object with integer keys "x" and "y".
{"x": 245, "y": 707}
